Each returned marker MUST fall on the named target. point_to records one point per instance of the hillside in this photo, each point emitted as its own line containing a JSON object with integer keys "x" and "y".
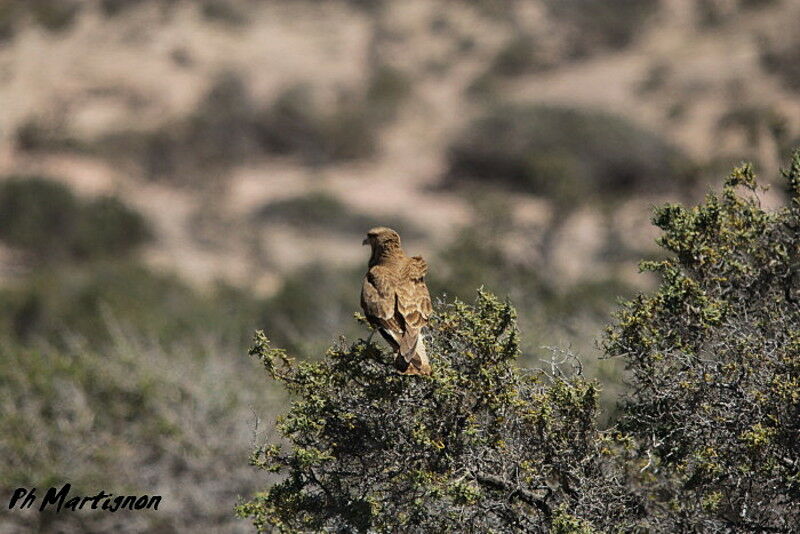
{"x": 175, "y": 174}
{"x": 82, "y": 100}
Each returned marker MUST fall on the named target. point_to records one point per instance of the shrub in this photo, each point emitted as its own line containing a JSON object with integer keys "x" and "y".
{"x": 224, "y": 11}
{"x": 79, "y": 302}
{"x": 44, "y": 218}
{"x": 610, "y": 23}
{"x": 289, "y": 125}
{"x": 8, "y": 14}
{"x": 388, "y": 89}
{"x": 323, "y": 212}
{"x": 551, "y": 313}
{"x": 755, "y": 4}
{"x": 563, "y": 153}
{"x": 713, "y": 364}
{"x": 329, "y": 292}
{"x": 115, "y": 7}
{"x": 709, "y": 426}
{"x": 521, "y": 55}
{"x": 480, "y": 446}
{"x": 107, "y": 227}
{"x": 228, "y": 127}
{"x": 295, "y": 125}
{"x": 36, "y": 214}
{"x": 717, "y": 12}
{"x": 656, "y": 79}
{"x": 134, "y": 418}
{"x": 40, "y": 134}
{"x": 711, "y": 13}
{"x": 783, "y": 60}
{"x": 220, "y": 132}
{"x": 221, "y": 129}
{"x": 55, "y": 15}
{"x": 755, "y": 120}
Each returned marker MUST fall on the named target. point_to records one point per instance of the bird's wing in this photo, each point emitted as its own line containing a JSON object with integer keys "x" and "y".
{"x": 378, "y": 300}
{"x": 417, "y": 267}
{"x": 413, "y": 298}
{"x": 413, "y": 302}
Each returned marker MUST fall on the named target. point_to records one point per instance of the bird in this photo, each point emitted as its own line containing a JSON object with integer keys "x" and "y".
{"x": 396, "y": 300}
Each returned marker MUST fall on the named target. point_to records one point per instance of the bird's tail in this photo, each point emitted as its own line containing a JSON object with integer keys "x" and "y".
{"x": 416, "y": 361}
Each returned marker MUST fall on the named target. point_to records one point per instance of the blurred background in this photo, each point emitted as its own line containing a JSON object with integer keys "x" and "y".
{"x": 175, "y": 174}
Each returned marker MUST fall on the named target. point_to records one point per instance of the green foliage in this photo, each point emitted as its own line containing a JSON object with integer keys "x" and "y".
{"x": 792, "y": 177}
{"x": 564, "y": 523}
{"x": 713, "y": 363}
{"x": 44, "y": 218}
{"x": 710, "y": 421}
{"x": 480, "y": 446}
{"x": 563, "y": 153}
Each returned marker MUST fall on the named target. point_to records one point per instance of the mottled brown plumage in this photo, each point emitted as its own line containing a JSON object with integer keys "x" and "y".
{"x": 395, "y": 299}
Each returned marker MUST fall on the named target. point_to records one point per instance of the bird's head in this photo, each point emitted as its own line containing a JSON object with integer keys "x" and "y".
{"x": 382, "y": 238}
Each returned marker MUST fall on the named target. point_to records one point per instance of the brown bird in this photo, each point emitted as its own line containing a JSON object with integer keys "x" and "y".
{"x": 396, "y": 301}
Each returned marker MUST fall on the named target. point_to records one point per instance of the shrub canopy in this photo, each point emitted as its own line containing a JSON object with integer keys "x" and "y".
{"x": 564, "y": 153}
{"x": 43, "y": 217}
{"x": 480, "y": 446}
{"x": 714, "y": 362}
{"x": 709, "y": 435}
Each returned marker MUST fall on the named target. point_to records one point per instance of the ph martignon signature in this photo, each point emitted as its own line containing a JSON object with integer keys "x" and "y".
{"x": 60, "y": 499}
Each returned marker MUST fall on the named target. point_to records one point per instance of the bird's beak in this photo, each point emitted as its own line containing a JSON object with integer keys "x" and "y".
{"x": 365, "y": 242}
